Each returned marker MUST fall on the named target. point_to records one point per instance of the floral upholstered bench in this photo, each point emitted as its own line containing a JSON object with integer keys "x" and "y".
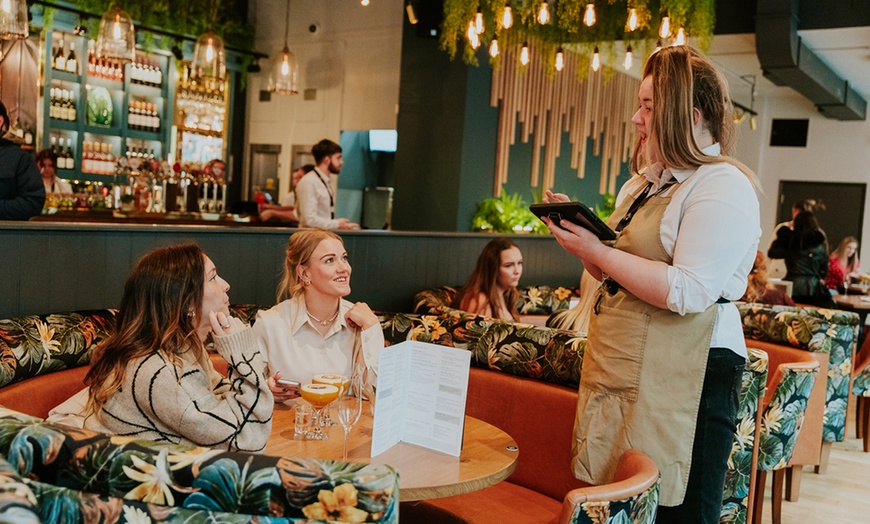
{"x": 77, "y": 475}
{"x": 535, "y": 301}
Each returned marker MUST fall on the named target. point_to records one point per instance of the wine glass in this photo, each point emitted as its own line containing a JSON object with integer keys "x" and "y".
{"x": 349, "y": 409}
{"x": 319, "y": 396}
{"x": 340, "y": 381}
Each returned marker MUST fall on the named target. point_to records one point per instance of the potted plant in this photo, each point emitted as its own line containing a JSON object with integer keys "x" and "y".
{"x": 508, "y": 213}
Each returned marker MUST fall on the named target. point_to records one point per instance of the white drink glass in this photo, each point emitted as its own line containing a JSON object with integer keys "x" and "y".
{"x": 349, "y": 409}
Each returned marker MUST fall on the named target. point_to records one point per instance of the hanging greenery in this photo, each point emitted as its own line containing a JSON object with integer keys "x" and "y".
{"x": 188, "y": 17}
{"x": 566, "y": 27}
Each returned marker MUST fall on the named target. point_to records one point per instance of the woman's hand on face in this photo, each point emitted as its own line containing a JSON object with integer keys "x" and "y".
{"x": 555, "y": 197}
{"x": 281, "y": 393}
{"x": 361, "y": 316}
{"x": 223, "y": 324}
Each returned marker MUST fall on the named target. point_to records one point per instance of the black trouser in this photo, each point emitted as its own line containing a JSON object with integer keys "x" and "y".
{"x": 714, "y": 434}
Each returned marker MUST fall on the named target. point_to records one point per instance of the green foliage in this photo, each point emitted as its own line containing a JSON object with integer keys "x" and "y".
{"x": 508, "y": 213}
{"x": 606, "y": 209}
{"x": 566, "y": 27}
{"x": 191, "y": 18}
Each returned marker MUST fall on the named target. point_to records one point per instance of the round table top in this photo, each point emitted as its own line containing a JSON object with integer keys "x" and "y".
{"x": 489, "y": 455}
{"x": 852, "y": 301}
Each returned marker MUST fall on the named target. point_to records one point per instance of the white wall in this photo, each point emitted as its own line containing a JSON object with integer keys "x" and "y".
{"x": 352, "y": 61}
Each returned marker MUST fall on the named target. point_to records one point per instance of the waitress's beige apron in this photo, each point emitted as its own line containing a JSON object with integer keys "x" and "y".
{"x": 643, "y": 372}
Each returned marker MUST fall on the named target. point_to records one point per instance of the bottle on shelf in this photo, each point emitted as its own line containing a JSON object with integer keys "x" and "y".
{"x": 59, "y": 59}
{"x": 87, "y": 158}
{"x": 54, "y": 144}
{"x": 68, "y": 154}
{"x": 72, "y": 64}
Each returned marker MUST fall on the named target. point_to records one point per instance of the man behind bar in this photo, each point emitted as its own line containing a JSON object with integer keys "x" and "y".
{"x": 22, "y": 194}
{"x": 315, "y": 201}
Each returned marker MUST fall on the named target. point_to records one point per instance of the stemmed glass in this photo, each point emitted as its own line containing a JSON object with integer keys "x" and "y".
{"x": 340, "y": 381}
{"x": 349, "y": 409}
{"x": 319, "y": 396}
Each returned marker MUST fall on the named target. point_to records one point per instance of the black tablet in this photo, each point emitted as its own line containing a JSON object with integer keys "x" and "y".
{"x": 576, "y": 212}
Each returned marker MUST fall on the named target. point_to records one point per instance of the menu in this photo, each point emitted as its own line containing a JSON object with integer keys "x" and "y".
{"x": 420, "y": 399}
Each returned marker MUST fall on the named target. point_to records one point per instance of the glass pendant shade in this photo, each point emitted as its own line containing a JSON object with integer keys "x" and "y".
{"x": 209, "y": 59}
{"x": 283, "y": 77}
{"x": 13, "y": 20}
{"x": 117, "y": 37}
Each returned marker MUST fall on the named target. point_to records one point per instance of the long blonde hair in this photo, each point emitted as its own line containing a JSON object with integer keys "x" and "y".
{"x": 758, "y": 283}
{"x": 684, "y": 79}
{"x": 852, "y": 263}
{"x": 299, "y": 249}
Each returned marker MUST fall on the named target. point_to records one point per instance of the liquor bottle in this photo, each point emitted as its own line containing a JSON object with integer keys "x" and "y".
{"x": 73, "y": 113}
{"x": 59, "y": 61}
{"x": 72, "y": 64}
{"x": 86, "y": 157}
{"x": 70, "y": 158}
{"x": 54, "y": 144}
{"x": 92, "y": 63}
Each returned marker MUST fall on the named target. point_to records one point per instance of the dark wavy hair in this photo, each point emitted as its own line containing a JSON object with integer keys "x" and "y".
{"x": 159, "y": 312}
{"x": 484, "y": 278}
{"x": 323, "y": 149}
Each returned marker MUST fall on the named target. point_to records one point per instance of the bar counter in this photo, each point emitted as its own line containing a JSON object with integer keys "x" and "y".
{"x": 51, "y": 266}
{"x": 170, "y": 218}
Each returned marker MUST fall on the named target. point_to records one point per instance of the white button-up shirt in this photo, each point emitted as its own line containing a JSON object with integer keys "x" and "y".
{"x": 315, "y": 202}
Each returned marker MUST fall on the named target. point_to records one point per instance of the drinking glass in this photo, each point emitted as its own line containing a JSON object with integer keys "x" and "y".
{"x": 340, "y": 381}
{"x": 349, "y": 409}
{"x": 319, "y": 396}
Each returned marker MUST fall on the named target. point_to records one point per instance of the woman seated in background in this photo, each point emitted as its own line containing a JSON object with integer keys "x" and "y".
{"x": 153, "y": 379}
{"x": 46, "y": 160}
{"x": 759, "y": 289}
{"x": 491, "y": 290}
{"x": 805, "y": 250}
{"x": 313, "y": 330}
{"x": 843, "y": 265}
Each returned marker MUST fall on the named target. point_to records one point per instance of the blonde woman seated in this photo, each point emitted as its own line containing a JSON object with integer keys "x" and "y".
{"x": 314, "y": 330}
{"x": 760, "y": 290}
{"x": 153, "y": 379}
{"x": 491, "y": 290}
{"x": 843, "y": 265}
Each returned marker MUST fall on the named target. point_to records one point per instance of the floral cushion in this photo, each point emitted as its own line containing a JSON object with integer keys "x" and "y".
{"x": 547, "y": 354}
{"x": 861, "y": 383}
{"x": 814, "y": 329}
{"x": 17, "y": 501}
{"x": 735, "y": 503}
{"x": 782, "y": 419}
{"x": 191, "y": 477}
{"x": 34, "y": 345}
{"x": 640, "y": 509}
{"x": 534, "y": 300}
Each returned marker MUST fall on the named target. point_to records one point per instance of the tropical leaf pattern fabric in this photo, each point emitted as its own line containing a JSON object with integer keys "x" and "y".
{"x": 38, "y": 344}
{"x": 782, "y": 419}
{"x": 547, "y": 354}
{"x": 735, "y": 504}
{"x": 71, "y": 463}
{"x": 861, "y": 383}
{"x": 814, "y": 329}
{"x": 534, "y": 300}
{"x": 18, "y": 503}
{"x": 640, "y": 509}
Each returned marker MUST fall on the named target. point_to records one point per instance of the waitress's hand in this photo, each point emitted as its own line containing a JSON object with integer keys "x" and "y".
{"x": 281, "y": 393}
{"x": 223, "y": 324}
{"x": 555, "y": 197}
{"x": 361, "y": 316}
{"x": 575, "y": 239}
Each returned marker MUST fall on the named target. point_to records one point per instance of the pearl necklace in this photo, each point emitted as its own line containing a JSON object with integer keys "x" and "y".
{"x": 324, "y": 322}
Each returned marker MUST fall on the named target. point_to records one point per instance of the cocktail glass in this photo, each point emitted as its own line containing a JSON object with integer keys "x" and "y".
{"x": 340, "y": 381}
{"x": 319, "y": 396}
{"x": 349, "y": 409}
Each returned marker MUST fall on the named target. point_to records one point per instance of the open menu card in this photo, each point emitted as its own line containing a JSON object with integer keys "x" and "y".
{"x": 421, "y": 396}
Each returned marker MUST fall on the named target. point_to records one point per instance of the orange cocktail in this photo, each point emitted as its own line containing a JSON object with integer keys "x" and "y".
{"x": 319, "y": 395}
{"x": 339, "y": 381}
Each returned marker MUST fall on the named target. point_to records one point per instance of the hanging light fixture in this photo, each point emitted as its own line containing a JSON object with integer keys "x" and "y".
{"x": 493, "y": 47}
{"x": 412, "y": 16}
{"x": 13, "y": 20}
{"x": 524, "y": 54}
{"x": 560, "y": 59}
{"x": 665, "y": 28}
{"x": 596, "y": 59}
{"x": 117, "y": 37}
{"x": 631, "y": 23}
{"x": 209, "y": 59}
{"x": 364, "y": 3}
{"x": 473, "y": 37}
{"x": 589, "y": 15}
{"x": 681, "y": 37}
{"x": 478, "y": 22}
{"x": 544, "y": 14}
{"x": 285, "y": 70}
{"x": 507, "y": 16}
{"x": 629, "y": 58}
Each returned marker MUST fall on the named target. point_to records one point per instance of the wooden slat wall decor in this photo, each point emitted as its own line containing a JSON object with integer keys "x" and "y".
{"x": 546, "y": 104}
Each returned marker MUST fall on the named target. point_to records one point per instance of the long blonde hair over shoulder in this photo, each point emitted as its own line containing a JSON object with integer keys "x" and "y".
{"x": 299, "y": 249}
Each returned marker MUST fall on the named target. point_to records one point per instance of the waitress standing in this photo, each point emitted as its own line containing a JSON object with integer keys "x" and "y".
{"x": 665, "y": 356}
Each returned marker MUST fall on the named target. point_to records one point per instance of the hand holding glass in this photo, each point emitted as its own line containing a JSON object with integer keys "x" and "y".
{"x": 319, "y": 396}
{"x": 349, "y": 409}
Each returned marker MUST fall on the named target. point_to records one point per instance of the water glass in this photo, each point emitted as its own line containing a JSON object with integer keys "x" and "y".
{"x": 302, "y": 422}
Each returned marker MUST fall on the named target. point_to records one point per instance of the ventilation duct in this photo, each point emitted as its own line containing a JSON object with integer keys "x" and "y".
{"x": 785, "y": 60}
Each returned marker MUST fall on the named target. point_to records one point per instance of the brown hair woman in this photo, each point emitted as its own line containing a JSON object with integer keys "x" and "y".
{"x": 491, "y": 289}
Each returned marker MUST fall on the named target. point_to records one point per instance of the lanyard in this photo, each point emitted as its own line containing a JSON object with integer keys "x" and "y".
{"x": 639, "y": 201}
{"x": 329, "y": 192}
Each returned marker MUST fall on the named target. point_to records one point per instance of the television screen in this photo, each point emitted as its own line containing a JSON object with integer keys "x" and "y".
{"x": 383, "y": 140}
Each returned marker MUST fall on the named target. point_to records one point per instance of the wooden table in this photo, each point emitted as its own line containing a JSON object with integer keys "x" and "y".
{"x": 857, "y": 304}
{"x": 489, "y": 455}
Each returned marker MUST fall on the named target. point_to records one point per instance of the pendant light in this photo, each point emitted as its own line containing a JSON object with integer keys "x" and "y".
{"x": 209, "y": 65}
{"x": 285, "y": 70}
{"x": 117, "y": 37}
{"x": 13, "y": 20}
